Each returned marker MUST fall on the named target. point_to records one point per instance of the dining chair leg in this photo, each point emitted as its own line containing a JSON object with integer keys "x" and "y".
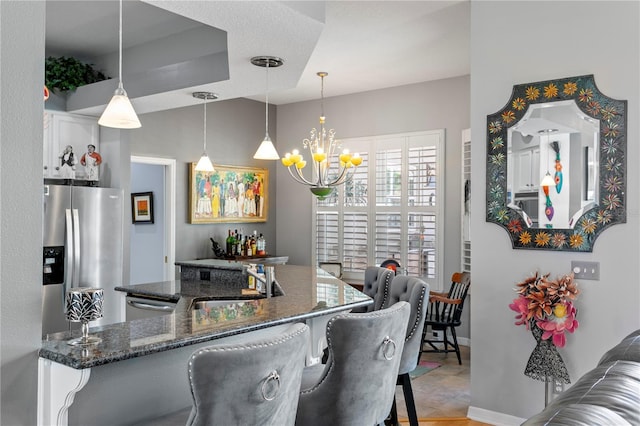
{"x": 456, "y": 346}
{"x": 445, "y": 340}
{"x": 405, "y": 380}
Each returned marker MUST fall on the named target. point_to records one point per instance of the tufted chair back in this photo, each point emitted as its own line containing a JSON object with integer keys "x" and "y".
{"x": 357, "y": 385}
{"x": 376, "y": 286}
{"x": 416, "y": 292}
{"x": 256, "y": 381}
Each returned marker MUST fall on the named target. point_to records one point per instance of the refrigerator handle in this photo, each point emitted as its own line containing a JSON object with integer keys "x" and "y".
{"x": 68, "y": 267}
{"x": 76, "y": 249}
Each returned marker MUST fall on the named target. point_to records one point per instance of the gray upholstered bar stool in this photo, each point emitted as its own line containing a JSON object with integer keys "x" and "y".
{"x": 253, "y": 382}
{"x": 376, "y": 286}
{"x": 357, "y": 385}
{"x": 416, "y": 292}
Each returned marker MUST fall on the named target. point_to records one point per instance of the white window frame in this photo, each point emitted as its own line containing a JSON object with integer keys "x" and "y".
{"x": 372, "y": 145}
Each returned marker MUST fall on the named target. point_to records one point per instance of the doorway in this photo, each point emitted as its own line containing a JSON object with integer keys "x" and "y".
{"x": 152, "y": 245}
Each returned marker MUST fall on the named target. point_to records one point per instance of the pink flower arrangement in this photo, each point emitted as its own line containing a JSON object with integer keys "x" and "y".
{"x": 548, "y": 305}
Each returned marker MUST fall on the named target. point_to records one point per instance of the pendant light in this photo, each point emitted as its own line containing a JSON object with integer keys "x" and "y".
{"x": 266, "y": 150}
{"x": 204, "y": 164}
{"x": 120, "y": 113}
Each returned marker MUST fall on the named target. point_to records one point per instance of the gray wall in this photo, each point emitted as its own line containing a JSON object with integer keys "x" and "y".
{"x": 527, "y": 41}
{"x": 235, "y": 129}
{"x": 417, "y": 107}
{"x": 21, "y": 107}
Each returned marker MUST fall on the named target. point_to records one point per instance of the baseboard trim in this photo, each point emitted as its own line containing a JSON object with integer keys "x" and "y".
{"x": 493, "y": 417}
{"x": 464, "y": 341}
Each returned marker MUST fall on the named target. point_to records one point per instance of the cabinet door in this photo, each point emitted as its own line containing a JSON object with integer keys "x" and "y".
{"x": 73, "y": 131}
{"x": 523, "y": 171}
{"x": 527, "y": 165}
{"x": 535, "y": 170}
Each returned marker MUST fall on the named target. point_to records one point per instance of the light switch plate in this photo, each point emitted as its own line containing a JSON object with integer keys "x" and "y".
{"x": 585, "y": 270}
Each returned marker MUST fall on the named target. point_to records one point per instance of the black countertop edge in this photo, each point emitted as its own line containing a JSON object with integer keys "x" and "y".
{"x": 154, "y": 294}
{"x": 74, "y": 362}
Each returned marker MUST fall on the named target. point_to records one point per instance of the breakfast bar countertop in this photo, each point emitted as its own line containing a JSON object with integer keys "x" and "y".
{"x": 308, "y": 293}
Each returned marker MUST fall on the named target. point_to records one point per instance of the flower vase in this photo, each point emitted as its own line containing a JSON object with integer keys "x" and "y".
{"x": 545, "y": 363}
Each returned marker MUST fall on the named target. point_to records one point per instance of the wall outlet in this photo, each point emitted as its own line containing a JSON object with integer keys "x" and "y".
{"x": 586, "y": 270}
{"x": 436, "y": 335}
{"x": 558, "y": 387}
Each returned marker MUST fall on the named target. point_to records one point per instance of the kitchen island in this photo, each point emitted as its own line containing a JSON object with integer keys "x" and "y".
{"x": 139, "y": 369}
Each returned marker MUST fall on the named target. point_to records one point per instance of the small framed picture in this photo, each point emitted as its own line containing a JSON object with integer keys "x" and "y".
{"x": 142, "y": 207}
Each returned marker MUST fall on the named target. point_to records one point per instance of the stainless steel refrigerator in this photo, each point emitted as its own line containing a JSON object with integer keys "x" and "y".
{"x": 82, "y": 247}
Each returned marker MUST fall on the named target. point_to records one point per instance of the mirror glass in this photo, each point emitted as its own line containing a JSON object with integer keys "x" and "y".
{"x": 558, "y": 139}
{"x": 556, "y": 167}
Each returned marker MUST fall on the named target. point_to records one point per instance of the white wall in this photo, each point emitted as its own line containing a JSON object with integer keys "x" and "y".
{"x": 21, "y": 109}
{"x": 424, "y": 106}
{"x": 527, "y": 41}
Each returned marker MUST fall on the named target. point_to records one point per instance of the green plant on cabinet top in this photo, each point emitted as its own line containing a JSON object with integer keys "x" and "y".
{"x": 63, "y": 74}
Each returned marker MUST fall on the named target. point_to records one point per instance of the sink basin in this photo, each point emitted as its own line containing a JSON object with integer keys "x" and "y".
{"x": 204, "y": 302}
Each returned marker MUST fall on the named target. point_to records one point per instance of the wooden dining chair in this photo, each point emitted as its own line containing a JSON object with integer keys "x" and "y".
{"x": 444, "y": 313}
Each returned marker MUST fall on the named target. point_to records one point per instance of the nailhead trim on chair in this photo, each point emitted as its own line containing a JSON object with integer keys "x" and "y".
{"x": 417, "y": 322}
{"x": 386, "y": 287}
{"x": 242, "y": 347}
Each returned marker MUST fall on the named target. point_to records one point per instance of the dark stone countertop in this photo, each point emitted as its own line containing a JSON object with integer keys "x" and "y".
{"x": 308, "y": 293}
{"x": 235, "y": 263}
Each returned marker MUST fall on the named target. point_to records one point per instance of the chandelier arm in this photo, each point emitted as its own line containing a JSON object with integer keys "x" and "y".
{"x": 343, "y": 177}
{"x": 299, "y": 177}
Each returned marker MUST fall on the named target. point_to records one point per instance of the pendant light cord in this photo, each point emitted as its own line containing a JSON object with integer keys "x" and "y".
{"x": 322, "y": 95}
{"x": 120, "y": 48}
{"x": 266, "y": 104}
{"x": 205, "y": 124}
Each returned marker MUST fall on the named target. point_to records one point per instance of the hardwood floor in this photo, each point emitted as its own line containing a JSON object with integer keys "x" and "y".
{"x": 446, "y": 421}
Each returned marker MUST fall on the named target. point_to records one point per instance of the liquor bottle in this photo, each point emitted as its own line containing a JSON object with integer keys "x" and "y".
{"x": 238, "y": 247}
{"x": 229, "y": 242}
{"x": 254, "y": 247}
{"x": 247, "y": 246}
{"x": 261, "y": 245}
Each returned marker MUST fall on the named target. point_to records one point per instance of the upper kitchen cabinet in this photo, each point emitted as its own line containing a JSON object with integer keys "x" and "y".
{"x": 66, "y": 138}
{"x": 527, "y": 164}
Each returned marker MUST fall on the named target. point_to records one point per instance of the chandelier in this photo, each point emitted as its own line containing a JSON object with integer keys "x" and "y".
{"x": 329, "y": 169}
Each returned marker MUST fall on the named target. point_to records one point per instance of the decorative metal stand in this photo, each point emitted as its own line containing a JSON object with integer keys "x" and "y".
{"x": 545, "y": 363}
{"x": 84, "y": 304}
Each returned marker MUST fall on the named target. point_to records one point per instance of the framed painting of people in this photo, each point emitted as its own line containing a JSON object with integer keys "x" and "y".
{"x": 230, "y": 194}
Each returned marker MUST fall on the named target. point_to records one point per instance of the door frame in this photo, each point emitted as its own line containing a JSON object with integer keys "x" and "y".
{"x": 169, "y": 208}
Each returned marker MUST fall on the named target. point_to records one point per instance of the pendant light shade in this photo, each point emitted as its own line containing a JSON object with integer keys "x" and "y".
{"x": 205, "y": 164}
{"x": 266, "y": 150}
{"x": 548, "y": 180}
{"x": 120, "y": 113}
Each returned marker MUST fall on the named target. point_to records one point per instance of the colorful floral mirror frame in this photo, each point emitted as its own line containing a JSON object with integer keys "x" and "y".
{"x": 611, "y": 206}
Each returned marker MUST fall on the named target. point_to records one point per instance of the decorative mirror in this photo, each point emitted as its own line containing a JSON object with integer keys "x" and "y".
{"x": 556, "y": 164}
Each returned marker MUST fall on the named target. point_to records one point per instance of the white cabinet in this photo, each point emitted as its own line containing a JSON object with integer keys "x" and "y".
{"x": 527, "y": 170}
{"x": 62, "y": 130}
